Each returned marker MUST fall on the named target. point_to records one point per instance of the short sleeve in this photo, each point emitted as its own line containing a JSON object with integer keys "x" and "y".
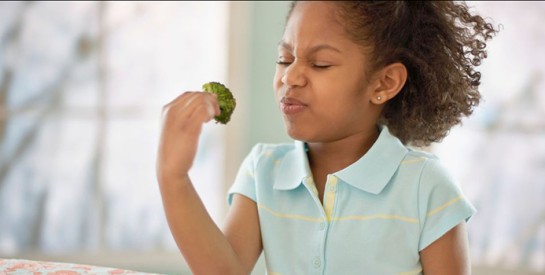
{"x": 442, "y": 204}
{"x": 244, "y": 183}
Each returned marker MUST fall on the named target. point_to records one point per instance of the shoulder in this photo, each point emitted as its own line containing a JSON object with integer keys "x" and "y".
{"x": 441, "y": 202}
{"x": 428, "y": 171}
{"x": 271, "y": 150}
{"x": 259, "y": 162}
{"x": 266, "y": 154}
{"x": 437, "y": 186}
{"x": 429, "y": 166}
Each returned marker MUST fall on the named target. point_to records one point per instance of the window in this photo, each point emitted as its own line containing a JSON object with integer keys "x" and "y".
{"x": 82, "y": 85}
{"x": 499, "y": 154}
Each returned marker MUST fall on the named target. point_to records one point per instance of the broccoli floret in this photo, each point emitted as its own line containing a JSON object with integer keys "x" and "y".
{"x": 226, "y": 100}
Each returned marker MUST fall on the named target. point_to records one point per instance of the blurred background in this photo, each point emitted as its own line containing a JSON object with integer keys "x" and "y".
{"x": 82, "y": 85}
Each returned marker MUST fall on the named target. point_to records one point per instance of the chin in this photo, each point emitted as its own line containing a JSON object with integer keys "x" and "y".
{"x": 295, "y": 133}
{"x": 299, "y": 134}
{"x": 306, "y": 132}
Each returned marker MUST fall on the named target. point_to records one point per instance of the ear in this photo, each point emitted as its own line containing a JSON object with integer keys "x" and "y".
{"x": 389, "y": 82}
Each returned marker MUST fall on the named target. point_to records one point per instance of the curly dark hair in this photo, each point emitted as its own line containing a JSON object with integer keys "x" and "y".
{"x": 440, "y": 43}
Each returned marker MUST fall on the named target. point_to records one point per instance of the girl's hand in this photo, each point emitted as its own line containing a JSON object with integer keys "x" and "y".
{"x": 182, "y": 121}
{"x": 206, "y": 249}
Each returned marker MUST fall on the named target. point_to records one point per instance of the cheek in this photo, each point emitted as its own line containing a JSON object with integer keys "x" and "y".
{"x": 349, "y": 98}
{"x": 277, "y": 82}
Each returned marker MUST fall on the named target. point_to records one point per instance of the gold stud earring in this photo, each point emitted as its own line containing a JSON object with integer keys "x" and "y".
{"x": 379, "y": 98}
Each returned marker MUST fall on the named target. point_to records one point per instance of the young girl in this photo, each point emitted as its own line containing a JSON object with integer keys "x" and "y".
{"x": 356, "y": 82}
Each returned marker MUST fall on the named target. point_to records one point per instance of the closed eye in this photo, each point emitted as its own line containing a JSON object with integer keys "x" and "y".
{"x": 283, "y": 63}
{"x": 320, "y": 66}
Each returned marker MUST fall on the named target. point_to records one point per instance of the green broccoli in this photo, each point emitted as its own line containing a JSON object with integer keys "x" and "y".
{"x": 226, "y": 100}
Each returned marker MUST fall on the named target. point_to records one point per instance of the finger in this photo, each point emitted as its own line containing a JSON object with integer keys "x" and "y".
{"x": 186, "y": 97}
{"x": 209, "y": 99}
{"x": 199, "y": 107}
{"x": 194, "y": 118}
{"x": 180, "y": 98}
{"x": 170, "y": 110}
{"x": 203, "y": 113}
{"x": 177, "y": 106}
{"x": 215, "y": 103}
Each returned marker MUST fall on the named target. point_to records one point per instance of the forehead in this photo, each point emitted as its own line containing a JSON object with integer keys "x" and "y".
{"x": 314, "y": 22}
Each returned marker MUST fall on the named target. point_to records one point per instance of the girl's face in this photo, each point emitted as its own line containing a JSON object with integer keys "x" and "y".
{"x": 320, "y": 82}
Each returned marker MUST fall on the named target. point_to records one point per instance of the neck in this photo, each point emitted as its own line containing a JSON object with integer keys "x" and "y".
{"x": 332, "y": 156}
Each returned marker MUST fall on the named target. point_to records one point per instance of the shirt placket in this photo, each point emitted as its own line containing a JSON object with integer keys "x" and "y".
{"x": 317, "y": 260}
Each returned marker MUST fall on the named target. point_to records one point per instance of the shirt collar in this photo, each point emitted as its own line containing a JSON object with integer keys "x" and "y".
{"x": 293, "y": 169}
{"x": 371, "y": 173}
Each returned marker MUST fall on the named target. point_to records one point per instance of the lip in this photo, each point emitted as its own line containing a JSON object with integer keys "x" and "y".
{"x": 291, "y": 106}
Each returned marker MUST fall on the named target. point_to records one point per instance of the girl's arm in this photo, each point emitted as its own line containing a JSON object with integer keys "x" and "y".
{"x": 205, "y": 248}
{"x": 448, "y": 255}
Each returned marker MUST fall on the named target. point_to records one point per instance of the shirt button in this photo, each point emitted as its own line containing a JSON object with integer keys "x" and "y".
{"x": 322, "y": 225}
{"x": 317, "y": 263}
{"x": 332, "y": 188}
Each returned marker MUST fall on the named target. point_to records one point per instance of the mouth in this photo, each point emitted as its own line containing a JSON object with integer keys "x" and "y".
{"x": 291, "y": 106}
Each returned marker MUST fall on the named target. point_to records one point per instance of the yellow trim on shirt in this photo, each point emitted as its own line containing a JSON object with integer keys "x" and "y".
{"x": 310, "y": 182}
{"x": 329, "y": 196}
{"x": 290, "y": 216}
{"x": 440, "y": 208}
{"x": 345, "y": 218}
{"x": 414, "y": 160}
{"x": 378, "y": 216}
{"x": 250, "y": 174}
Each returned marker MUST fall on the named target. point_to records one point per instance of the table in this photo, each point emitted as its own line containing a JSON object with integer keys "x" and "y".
{"x": 22, "y": 266}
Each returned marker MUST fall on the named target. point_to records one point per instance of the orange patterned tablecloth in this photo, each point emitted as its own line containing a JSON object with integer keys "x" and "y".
{"x": 18, "y": 266}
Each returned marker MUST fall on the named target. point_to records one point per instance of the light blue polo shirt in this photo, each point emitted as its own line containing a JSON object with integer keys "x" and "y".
{"x": 377, "y": 213}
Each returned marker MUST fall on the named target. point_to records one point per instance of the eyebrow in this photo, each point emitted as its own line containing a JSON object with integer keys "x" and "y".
{"x": 313, "y": 49}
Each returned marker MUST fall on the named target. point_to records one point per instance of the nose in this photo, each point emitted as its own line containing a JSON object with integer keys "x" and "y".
{"x": 294, "y": 75}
